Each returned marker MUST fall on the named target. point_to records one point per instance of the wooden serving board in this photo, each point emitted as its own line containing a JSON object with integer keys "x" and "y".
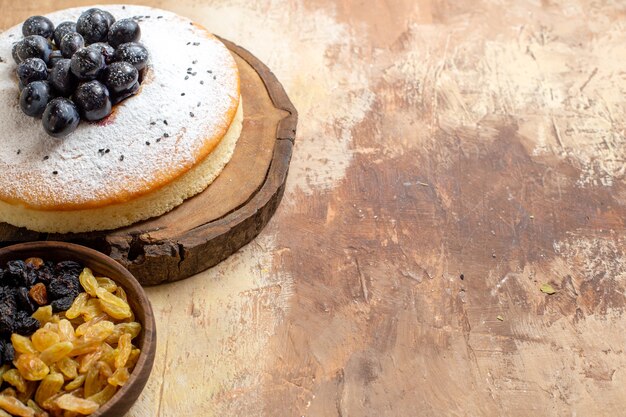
{"x": 211, "y": 226}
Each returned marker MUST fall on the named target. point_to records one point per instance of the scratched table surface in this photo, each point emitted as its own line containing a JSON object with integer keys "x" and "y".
{"x": 452, "y": 158}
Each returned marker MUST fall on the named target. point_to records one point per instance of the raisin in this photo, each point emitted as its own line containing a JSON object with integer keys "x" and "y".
{"x": 107, "y": 283}
{"x": 92, "y": 382}
{"x": 133, "y": 328}
{"x": 44, "y": 338}
{"x": 68, "y": 268}
{"x": 16, "y": 274}
{"x": 49, "y": 386}
{"x": 79, "y": 405}
{"x": 88, "y": 282}
{"x": 29, "y": 391}
{"x": 69, "y": 367}
{"x": 103, "y": 396}
{"x": 45, "y": 273}
{"x": 66, "y": 330}
{"x": 31, "y": 367}
{"x": 76, "y": 383}
{"x": 39, "y": 294}
{"x": 124, "y": 348}
{"x": 77, "y": 306}
{"x": 63, "y": 286}
{"x": 114, "y": 306}
{"x": 7, "y": 353}
{"x": 34, "y": 262}
{"x": 31, "y": 275}
{"x": 89, "y": 361}
{"x": 119, "y": 377}
{"x": 8, "y": 309}
{"x": 62, "y": 304}
{"x": 14, "y": 378}
{"x": 22, "y": 344}
{"x": 56, "y": 352}
{"x": 23, "y": 300}
{"x": 24, "y": 324}
{"x": 16, "y": 407}
{"x": 43, "y": 314}
{"x": 39, "y": 412}
{"x": 99, "y": 332}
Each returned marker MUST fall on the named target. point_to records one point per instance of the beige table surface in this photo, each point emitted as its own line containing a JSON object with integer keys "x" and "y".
{"x": 437, "y": 139}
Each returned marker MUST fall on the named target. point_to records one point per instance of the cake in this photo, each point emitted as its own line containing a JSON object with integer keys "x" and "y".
{"x": 156, "y": 149}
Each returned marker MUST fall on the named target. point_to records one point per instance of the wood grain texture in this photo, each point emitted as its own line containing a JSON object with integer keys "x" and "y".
{"x": 437, "y": 138}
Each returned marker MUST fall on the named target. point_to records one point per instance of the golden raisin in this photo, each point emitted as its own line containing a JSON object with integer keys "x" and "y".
{"x": 133, "y": 328}
{"x": 56, "y": 352}
{"x": 39, "y": 412}
{"x": 119, "y": 377}
{"x": 9, "y": 392}
{"x": 113, "y": 305}
{"x": 77, "y": 306}
{"x": 121, "y": 293}
{"x": 80, "y": 405}
{"x": 14, "y": 378}
{"x": 66, "y": 331}
{"x": 80, "y": 348}
{"x": 43, "y": 314}
{"x": 44, "y": 338}
{"x": 36, "y": 262}
{"x": 92, "y": 309}
{"x": 104, "y": 395}
{"x": 133, "y": 358}
{"x": 88, "y": 282}
{"x": 107, "y": 283}
{"x": 22, "y": 344}
{"x": 49, "y": 386}
{"x": 14, "y": 406}
{"x": 124, "y": 348}
{"x": 93, "y": 383}
{"x": 31, "y": 367}
{"x": 99, "y": 331}
{"x": 4, "y": 368}
{"x": 108, "y": 354}
{"x": 39, "y": 294}
{"x": 89, "y": 360}
{"x": 68, "y": 367}
{"x": 31, "y": 387}
{"x": 75, "y": 383}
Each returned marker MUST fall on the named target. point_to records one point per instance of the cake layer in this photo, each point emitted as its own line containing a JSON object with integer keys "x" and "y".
{"x": 123, "y": 214}
{"x": 187, "y": 103}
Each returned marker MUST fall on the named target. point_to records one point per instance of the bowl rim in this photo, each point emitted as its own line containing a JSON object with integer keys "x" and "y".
{"x": 145, "y": 362}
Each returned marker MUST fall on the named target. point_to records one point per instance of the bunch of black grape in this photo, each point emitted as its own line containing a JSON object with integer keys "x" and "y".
{"x": 78, "y": 69}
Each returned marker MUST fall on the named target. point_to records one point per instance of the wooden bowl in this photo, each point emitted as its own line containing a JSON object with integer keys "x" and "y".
{"x": 104, "y": 266}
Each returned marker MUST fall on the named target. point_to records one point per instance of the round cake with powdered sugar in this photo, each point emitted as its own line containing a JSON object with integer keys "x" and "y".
{"x": 157, "y": 148}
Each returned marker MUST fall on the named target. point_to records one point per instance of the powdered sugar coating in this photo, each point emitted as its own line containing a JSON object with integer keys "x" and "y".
{"x": 151, "y": 139}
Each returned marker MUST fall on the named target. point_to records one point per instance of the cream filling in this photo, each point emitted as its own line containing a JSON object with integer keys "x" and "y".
{"x": 150, "y": 205}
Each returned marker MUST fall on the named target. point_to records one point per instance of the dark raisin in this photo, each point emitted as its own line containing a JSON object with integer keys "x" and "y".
{"x": 62, "y": 304}
{"x": 24, "y": 301}
{"x": 8, "y": 309}
{"x": 45, "y": 272}
{"x": 63, "y": 287}
{"x": 68, "y": 268}
{"x": 17, "y": 274}
{"x": 25, "y": 324}
{"x": 7, "y": 353}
